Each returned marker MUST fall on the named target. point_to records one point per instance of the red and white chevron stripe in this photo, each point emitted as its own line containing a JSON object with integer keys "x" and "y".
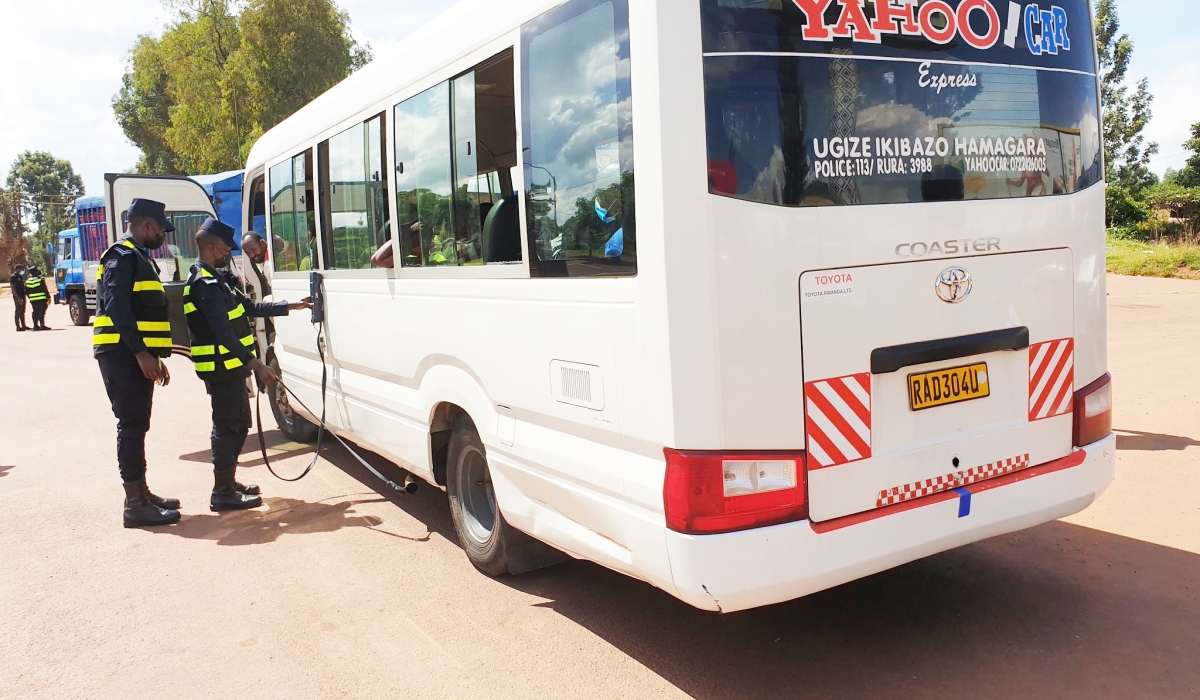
{"x": 1051, "y": 378}
{"x": 838, "y": 413}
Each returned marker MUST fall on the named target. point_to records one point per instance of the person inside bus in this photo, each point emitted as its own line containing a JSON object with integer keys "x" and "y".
{"x": 310, "y": 261}
{"x": 255, "y": 249}
{"x": 944, "y": 184}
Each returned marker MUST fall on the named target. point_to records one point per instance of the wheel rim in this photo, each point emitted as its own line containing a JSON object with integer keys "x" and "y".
{"x": 76, "y": 312}
{"x": 477, "y": 498}
{"x": 281, "y": 401}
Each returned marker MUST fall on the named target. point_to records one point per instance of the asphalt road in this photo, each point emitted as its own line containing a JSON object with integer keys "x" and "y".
{"x": 336, "y": 590}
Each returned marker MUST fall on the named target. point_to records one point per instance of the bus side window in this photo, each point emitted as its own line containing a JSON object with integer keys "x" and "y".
{"x": 258, "y": 206}
{"x": 353, "y": 186}
{"x": 456, "y": 149}
{"x": 579, "y": 161}
{"x": 293, "y": 225}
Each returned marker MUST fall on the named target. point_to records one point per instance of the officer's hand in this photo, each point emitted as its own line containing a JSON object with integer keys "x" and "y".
{"x": 267, "y": 377}
{"x": 305, "y": 303}
{"x": 151, "y": 367}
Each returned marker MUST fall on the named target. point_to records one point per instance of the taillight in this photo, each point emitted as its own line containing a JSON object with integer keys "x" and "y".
{"x": 1093, "y": 412}
{"x": 711, "y": 492}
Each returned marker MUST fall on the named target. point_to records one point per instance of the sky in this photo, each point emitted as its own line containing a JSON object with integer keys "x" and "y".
{"x": 64, "y": 60}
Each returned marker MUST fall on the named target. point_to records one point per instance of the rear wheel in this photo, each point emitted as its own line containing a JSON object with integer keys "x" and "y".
{"x": 77, "y": 307}
{"x": 493, "y": 546}
{"x": 294, "y": 426}
{"x": 480, "y": 526}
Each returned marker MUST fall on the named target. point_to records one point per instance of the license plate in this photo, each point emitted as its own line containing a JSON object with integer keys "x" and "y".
{"x": 948, "y": 386}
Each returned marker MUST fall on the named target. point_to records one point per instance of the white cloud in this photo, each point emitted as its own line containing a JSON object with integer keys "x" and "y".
{"x": 1176, "y": 108}
{"x": 64, "y": 60}
{"x": 68, "y": 56}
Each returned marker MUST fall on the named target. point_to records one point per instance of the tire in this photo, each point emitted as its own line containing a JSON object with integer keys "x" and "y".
{"x": 482, "y": 531}
{"x": 77, "y": 307}
{"x": 493, "y": 546}
{"x": 294, "y": 426}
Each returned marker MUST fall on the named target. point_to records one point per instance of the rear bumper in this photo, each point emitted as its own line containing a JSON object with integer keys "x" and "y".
{"x": 744, "y": 570}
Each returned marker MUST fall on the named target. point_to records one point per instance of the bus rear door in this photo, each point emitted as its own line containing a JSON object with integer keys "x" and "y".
{"x": 182, "y": 197}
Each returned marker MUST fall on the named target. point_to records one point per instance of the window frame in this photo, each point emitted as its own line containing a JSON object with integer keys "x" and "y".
{"x": 311, "y": 149}
{"x": 561, "y": 14}
{"x": 510, "y": 41}
{"x": 324, "y": 199}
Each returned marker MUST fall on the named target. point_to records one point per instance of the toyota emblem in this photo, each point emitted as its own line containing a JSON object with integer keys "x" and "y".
{"x": 954, "y": 285}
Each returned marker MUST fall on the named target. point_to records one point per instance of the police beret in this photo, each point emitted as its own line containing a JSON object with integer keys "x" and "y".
{"x": 218, "y": 229}
{"x": 150, "y": 209}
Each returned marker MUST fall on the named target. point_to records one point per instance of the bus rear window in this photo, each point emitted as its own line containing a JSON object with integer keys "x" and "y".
{"x": 901, "y": 118}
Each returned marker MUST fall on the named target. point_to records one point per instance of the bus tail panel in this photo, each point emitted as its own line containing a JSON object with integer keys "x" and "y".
{"x": 932, "y": 376}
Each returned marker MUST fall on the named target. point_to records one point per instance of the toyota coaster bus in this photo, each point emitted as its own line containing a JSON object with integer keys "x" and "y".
{"x": 849, "y": 313}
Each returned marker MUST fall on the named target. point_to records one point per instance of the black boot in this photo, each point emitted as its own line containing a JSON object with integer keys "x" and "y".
{"x": 140, "y": 512}
{"x": 164, "y": 503}
{"x": 251, "y": 490}
{"x": 226, "y": 497}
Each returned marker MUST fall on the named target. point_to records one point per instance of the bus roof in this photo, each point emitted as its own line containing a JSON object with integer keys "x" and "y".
{"x": 464, "y": 27}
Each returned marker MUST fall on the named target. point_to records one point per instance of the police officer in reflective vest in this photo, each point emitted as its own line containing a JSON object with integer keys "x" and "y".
{"x": 16, "y": 285}
{"x": 225, "y": 353}
{"x": 130, "y": 336}
{"x": 38, "y": 295}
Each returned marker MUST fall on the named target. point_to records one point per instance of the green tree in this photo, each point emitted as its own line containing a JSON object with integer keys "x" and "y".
{"x": 1190, "y": 175}
{"x": 1182, "y": 202}
{"x": 48, "y": 188}
{"x": 223, "y": 73}
{"x": 1126, "y": 113}
{"x": 291, "y": 52}
{"x": 143, "y": 108}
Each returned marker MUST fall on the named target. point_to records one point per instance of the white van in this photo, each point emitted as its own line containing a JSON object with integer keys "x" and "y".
{"x": 856, "y": 317}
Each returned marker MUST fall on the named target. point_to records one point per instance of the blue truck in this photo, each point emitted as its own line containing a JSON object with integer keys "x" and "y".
{"x": 77, "y": 254}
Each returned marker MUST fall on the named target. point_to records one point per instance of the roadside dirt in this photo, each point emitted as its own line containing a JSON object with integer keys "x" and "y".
{"x": 334, "y": 590}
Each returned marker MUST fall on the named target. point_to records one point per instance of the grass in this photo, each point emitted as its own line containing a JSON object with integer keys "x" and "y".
{"x": 1153, "y": 259}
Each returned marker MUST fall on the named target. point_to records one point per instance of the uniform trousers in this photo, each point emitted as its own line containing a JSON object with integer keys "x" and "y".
{"x": 19, "y": 316}
{"x": 39, "y": 312}
{"x": 132, "y": 397}
{"x": 231, "y": 420}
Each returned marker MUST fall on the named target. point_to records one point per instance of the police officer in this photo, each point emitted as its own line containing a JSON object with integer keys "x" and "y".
{"x": 38, "y": 295}
{"x": 130, "y": 336}
{"x": 16, "y": 284}
{"x": 224, "y": 353}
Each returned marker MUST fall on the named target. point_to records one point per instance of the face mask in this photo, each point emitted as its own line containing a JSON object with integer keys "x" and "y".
{"x": 226, "y": 262}
{"x": 157, "y": 242}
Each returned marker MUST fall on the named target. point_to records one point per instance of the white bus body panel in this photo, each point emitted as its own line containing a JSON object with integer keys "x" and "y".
{"x": 891, "y": 305}
{"x": 701, "y": 351}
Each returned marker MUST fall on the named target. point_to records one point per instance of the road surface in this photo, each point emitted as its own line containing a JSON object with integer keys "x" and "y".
{"x": 335, "y": 590}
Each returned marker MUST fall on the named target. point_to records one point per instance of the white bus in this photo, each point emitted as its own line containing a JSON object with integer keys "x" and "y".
{"x": 856, "y": 317}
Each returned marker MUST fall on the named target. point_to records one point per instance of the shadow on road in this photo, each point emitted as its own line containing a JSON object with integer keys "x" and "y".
{"x": 1059, "y": 611}
{"x": 251, "y": 454}
{"x": 1153, "y": 442}
{"x": 284, "y": 516}
{"x": 5, "y": 470}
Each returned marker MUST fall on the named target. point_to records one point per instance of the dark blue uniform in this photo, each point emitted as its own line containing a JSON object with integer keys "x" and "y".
{"x": 118, "y": 338}
{"x": 16, "y": 285}
{"x": 38, "y": 295}
{"x": 222, "y": 349}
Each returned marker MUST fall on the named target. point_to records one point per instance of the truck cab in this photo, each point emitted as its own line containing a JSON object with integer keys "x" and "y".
{"x": 70, "y": 278}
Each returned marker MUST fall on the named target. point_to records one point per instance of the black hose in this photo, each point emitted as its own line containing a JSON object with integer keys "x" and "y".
{"x": 409, "y": 486}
